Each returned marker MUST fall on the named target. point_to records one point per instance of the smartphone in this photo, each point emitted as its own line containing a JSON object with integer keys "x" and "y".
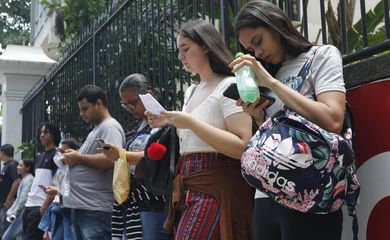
{"x": 107, "y": 148}
{"x": 42, "y": 187}
{"x": 103, "y": 142}
{"x": 232, "y": 92}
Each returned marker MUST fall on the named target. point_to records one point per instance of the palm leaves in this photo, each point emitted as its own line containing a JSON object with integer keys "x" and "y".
{"x": 375, "y": 35}
{"x": 354, "y": 33}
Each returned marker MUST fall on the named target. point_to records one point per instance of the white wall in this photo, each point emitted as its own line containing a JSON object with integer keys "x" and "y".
{"x": 21, "y": 67}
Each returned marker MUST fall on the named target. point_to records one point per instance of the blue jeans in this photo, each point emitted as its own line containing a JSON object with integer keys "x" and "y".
{"x": 91, "y": 225}
{"x": 3, "y": 222}
{"x": 15, "y": 229}
{"x": 152, "y": 226}
{"x": 63, "y": 226}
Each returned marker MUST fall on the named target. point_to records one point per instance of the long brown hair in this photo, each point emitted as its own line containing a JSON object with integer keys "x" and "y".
{"x": 260, "y": 13}
{"x": 204, "y": 34}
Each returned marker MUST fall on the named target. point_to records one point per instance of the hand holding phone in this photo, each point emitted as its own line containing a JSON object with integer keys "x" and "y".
{"x": 42, "y": 187}
{"x": 232, "y": 92}
{"x": 101, "y": 141}
{"x": 106, "y": 147}
{"x": 111, "y": 151}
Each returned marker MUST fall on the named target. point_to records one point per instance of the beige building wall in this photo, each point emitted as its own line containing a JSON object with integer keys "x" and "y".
{"x": 43, "y": 29}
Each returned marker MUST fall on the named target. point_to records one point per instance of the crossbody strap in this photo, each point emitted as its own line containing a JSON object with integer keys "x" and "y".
{"x": 172, "y": 145}
{"x": 303, "y": 74}
{"x": 192, "y": 93}
{"x": 172, "y": 156}
{"x": 305, "y": 69}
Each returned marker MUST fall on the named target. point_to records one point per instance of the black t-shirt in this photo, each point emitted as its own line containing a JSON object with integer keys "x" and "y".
{"x": 8, "y": 175}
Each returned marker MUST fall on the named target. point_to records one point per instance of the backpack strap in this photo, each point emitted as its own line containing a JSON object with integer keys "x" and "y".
{"x": 172, "y": 157}
{"x": 172, "y": 146}
{"x": 355, "y": 227}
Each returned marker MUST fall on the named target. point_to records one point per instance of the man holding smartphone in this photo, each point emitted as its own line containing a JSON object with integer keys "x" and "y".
{"x": 91, "y": 198}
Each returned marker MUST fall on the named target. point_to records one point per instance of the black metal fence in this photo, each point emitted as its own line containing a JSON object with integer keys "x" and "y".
{"x": 140, "y": 36}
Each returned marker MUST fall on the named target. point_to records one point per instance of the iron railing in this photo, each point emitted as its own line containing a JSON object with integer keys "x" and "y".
{"x": 139, "y": 36}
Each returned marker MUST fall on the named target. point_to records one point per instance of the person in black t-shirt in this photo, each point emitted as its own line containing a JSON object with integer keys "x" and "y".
{"x": 9, "y": 182}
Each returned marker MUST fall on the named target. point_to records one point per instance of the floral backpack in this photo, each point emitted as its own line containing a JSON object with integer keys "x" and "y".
{"x": 302, "y": 166}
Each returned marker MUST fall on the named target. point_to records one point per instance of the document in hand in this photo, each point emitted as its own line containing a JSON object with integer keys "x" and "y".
{"x": 151, "y": 104}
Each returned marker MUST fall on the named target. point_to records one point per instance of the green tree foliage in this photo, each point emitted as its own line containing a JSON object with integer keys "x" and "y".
{"x": 73, "y": 16}
{"x": 14, "y": 22}
{"x": 27, "y": 149}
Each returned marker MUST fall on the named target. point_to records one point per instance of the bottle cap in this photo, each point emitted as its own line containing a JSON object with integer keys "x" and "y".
{"x": 239, "y": 54}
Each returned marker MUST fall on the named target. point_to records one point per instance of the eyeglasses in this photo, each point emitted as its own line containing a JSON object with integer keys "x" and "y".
{"x": 129, "y": 105}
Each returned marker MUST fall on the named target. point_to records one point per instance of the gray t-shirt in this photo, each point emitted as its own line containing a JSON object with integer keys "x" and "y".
{"x": 325, "y": 74}
{"x": 91, "y": 188}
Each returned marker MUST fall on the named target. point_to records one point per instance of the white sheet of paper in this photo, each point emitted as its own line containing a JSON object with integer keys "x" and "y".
{"x": 151, "y": 104}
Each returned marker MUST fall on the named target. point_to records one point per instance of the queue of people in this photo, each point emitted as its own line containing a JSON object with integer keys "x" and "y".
{"x": 213, "y": 133}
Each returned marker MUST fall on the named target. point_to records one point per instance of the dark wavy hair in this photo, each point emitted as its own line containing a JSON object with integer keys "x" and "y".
{"x": 92, "y": 94}
{"x": 140, "y": 83}
{"x": 261, "y": 13}
{"x": 204, "y": 34}
{"x": 29, "y": 164}
{"x": 53, "y": 130}
{"x": 72, "y": 143}
{"x": 8, "y": 150}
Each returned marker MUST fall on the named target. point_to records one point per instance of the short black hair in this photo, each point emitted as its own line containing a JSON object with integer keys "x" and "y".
{"x": 53, "y": 130}
{"x": 7, "y": 149}
{"x": 92, "y": 94}
{"x": 72, "y": 143}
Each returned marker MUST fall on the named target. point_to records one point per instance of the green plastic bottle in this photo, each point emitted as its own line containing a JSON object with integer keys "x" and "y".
{"x": 246, "y": 84}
